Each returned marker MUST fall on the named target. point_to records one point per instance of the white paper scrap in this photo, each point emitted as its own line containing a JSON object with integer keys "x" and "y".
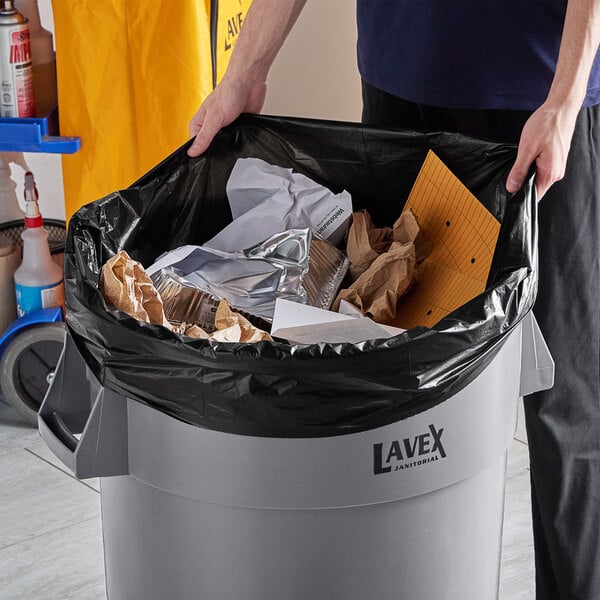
{"x": 266, "y": 199}
{"x": 347, "y": 308}
{"x": 303, "y": 324}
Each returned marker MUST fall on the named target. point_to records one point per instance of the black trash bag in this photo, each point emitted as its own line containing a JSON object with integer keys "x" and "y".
{"x": 274, "y": 389}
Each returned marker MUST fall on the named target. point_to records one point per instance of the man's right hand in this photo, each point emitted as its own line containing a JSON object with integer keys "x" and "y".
{"x": 227, "y": 102}
{"x": 243, "y": 87}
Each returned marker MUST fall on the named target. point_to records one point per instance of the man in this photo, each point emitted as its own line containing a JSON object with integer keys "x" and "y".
{"x": 518, "y": 71}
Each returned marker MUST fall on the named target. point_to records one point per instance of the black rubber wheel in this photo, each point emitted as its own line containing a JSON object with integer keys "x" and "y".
{"x": 27, "y": 367}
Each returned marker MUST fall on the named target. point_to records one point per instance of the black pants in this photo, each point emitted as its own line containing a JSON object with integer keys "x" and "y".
{"x": 563, "y": 424}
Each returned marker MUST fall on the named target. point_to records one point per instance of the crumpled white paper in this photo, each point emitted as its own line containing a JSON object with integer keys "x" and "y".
{"x": 266, "y": 199}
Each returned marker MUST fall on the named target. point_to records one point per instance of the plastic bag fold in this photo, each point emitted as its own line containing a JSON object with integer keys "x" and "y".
{"x": 274, "y": 389}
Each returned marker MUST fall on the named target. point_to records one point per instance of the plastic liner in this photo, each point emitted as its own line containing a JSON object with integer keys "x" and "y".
{"x": 273, "y": 389}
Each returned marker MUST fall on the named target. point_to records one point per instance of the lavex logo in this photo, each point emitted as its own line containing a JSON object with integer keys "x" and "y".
{"x": 234, "y": 26}
{"x": 399, "y": 451}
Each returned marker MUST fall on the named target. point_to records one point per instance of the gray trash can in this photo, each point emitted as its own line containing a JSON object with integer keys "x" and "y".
{"x": 410, "y": 510}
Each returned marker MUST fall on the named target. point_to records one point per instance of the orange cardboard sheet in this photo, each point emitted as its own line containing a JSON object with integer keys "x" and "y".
{"x": 464, "y": 236}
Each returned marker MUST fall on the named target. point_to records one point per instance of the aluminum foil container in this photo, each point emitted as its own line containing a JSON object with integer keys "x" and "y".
{"x": 292, "y": 264}
{"x": 250, "y": 280}
{"x": 327, "y": 268}
{"x": 183, "y": 303}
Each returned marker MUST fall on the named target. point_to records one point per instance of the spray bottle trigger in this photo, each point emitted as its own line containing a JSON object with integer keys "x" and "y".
{"x": 33, "y": 218}
{"x": 30, "y": 187}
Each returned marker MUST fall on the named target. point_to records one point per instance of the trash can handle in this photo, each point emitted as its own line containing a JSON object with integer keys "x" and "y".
{"x": 85, "y": 429}
{"x": 62, "y": 432}
{"x": 537, "y": 365}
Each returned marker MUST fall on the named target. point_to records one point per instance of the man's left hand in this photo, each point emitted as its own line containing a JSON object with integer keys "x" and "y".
{"x": 545, "y": 140}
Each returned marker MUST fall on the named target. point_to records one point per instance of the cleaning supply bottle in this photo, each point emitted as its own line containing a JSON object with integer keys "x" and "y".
{"x": 16, "y": 76}
{"x": 10, "y": 257}
{"x": 9, "y": 205}
{"x": 42, "y": 58}
{"x": 38, "y": 280}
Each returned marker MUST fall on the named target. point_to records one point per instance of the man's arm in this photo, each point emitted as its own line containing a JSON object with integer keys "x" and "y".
{"x": 546, "y": 136}
{"x": 243, "y": 87}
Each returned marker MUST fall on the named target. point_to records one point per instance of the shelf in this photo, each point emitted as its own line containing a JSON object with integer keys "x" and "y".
{"x": 35, "y": 135}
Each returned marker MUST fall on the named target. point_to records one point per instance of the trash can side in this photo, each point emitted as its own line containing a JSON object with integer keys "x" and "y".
{"x": 217, "y": 509}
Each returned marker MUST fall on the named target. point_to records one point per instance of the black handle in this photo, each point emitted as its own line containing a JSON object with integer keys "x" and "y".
{"x": 76, "y": 404}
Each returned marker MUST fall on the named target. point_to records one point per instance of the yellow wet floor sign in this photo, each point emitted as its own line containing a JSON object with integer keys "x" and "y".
{"x": 227, "y": 19}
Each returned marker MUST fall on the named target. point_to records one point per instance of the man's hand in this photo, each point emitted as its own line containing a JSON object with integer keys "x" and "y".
{"x": 243, "y": 87}
{"x": 545, "y": 140}
{"x": 228, "y": 101}
{"x": 546, "y": 137}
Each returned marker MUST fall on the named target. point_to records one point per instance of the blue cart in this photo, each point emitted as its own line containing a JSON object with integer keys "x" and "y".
{"x": 29, "y": 352}
{"x": 31, "y": 346}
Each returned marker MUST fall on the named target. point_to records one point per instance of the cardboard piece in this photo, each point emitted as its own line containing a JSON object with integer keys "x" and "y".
{"x": 463, "y": 234}
{"x": 10, "y": 259}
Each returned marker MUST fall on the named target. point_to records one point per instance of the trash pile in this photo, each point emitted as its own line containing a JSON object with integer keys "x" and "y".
{"x": 296, "y": 264}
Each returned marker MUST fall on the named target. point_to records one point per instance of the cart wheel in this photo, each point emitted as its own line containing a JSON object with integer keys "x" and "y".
{"x": 27, "y": 367}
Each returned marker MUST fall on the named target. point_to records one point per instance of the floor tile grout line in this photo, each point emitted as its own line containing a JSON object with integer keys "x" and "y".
{"x": 53, "y": 531}
{"x": 3, "y": 454}
{"x": 87, "y": 485}
{"x": 11, "y": 450}
{"x": 516, "y": 473}
{"x": 66, "y": 472}
{"x": 520, "y": 470}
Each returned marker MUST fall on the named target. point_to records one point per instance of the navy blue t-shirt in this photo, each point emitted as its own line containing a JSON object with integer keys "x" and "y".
{"x": 464, "y": 54}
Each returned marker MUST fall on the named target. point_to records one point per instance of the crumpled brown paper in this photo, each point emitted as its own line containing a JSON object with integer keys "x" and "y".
{"x": 383, "y": 263}
{"x": 125, "y": 284}
{"x": 377, "y": 291}
{"x": 366, "y": 242}
{"x": 192, "y": 331}
{"x": 233, "y": 327}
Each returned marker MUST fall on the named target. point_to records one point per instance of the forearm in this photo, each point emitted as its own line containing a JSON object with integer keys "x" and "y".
{"x": 264, "y": 30}
{"x": 243, "y": 86}
{"x": 580, "y": 39}
{"x": 546, "y": 136}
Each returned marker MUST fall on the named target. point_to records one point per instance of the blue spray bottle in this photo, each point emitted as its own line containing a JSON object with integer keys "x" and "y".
{"x": 38, "y": 280}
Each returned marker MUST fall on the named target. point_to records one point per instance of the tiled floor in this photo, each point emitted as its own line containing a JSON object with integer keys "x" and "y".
{"x": 51, "y": 538}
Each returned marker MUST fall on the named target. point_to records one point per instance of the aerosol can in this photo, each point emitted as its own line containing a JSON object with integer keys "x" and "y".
{"x": 16, "y": 75}
{"x": 38, "y": 280}
{"x": 42, "y": 58}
